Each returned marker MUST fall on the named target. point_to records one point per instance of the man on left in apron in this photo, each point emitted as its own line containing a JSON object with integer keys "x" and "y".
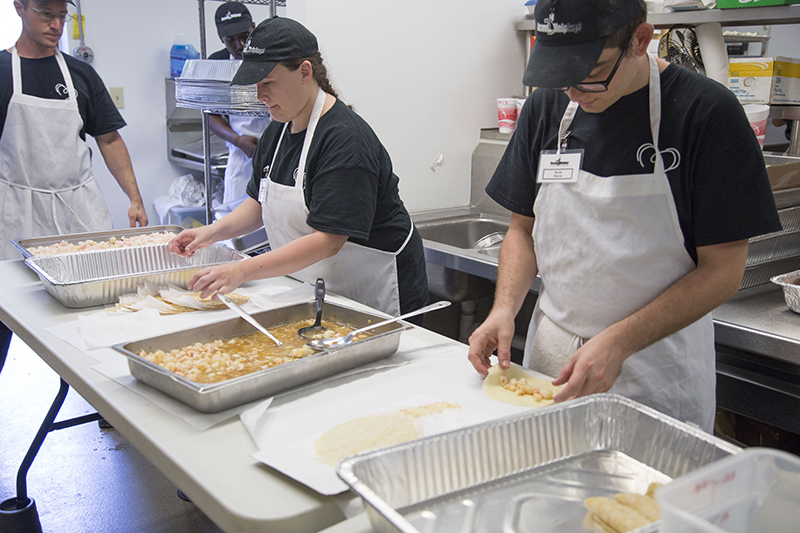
{"x": 240, "y": 132}
{"x": 48, "y": 103}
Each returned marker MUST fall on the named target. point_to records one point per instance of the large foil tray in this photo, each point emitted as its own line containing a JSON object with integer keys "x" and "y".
{"x": 214, "y": 397}
{"x": 97, "y": 236}
{"x": 527, "y": 472}
{"x": 85, "y": 279}
{"x": 791, "y": 289}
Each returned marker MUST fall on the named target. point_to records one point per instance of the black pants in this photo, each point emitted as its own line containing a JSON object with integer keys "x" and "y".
{"x": 5, "y": 340}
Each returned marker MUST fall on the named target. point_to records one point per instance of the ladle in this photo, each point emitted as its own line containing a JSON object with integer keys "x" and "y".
{"x": 309, "y": 332}
{"x": 324, "y": 344}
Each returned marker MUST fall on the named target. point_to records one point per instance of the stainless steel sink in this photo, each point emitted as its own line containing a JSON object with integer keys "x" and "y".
{"x": 469, "y": 232}
{"x": 461, "y": 239}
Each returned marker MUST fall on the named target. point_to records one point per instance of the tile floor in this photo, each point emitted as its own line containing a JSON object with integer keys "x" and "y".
{"x": 84, "y": 479}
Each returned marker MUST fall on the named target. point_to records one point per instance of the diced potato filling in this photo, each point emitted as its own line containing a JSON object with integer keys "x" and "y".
{"x": 521, "y": 387}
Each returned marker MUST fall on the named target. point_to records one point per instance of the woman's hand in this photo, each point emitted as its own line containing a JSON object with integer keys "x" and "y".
{"x": 220, "y": 278}
{"x": 187, "y": 242}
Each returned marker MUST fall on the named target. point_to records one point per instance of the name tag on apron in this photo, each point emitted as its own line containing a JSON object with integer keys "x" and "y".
{"x": 559, "y": 167}
{"x": 262, "y": 190}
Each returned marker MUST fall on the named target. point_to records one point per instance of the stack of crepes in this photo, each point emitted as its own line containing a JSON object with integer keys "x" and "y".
{"x": 169, "y": 300}
{"x": 625, "y": 511}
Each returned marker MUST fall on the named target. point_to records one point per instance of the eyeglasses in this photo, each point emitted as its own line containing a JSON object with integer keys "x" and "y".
{"x": 49, "y": 16}
{"x": 599, "y": 86}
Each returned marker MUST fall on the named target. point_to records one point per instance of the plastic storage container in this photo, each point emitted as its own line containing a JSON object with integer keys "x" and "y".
{"x": 757, "y": 490}
{"x": 178, "y": 54}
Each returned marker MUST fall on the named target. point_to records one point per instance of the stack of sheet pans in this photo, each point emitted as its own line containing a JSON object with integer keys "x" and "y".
{"x": 205, "y": 84}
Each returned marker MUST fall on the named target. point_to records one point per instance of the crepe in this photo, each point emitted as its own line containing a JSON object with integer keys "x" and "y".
{"x": 625, "y": 512}
{"x": 170, "y": 300}
{"x": 372, "y": 432}
{"x": 615, "y": 515}
{"x": 494, "y": 390}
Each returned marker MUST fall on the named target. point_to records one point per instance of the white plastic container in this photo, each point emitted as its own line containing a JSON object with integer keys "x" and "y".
{"x": 757, "y": 490}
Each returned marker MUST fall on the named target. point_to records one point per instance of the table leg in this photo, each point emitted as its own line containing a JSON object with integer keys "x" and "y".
{"x": 19, "y": 514}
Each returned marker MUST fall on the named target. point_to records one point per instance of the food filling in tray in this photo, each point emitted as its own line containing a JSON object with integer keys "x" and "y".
{"x": 220, "y": 360}
{"x": 65, "y": 247}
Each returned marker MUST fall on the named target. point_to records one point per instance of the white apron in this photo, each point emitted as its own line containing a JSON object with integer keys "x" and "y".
{"x": 605, "y": 248}
{"x": 363, "y": 274}
{"x": 239, "y": 168}
{"x": 46, "y": 181}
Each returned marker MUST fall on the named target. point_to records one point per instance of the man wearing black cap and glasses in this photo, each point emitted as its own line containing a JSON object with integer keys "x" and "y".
{"x": 240, "y": 133}
{"x": 634, "y": 186}
{"x": 49, "y": 102}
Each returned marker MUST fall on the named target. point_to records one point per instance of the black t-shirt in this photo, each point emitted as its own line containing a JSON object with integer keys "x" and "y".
{"x": 720, "y": 185}
{"x": 220, "y": 54}
{"x": 42, "y": 78}
{"x": 350, "y": 190}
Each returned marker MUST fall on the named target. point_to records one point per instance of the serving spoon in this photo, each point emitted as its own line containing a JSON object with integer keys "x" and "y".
{"x": 308, "y": 332}
{"x": 324, "y": 344}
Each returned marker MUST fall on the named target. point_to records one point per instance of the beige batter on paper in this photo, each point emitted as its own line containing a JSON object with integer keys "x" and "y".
{"x": 495, "y": 391}
{"x": 372, "y": 432}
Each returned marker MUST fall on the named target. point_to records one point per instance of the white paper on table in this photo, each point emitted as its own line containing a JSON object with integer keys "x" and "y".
{"x": 103, "y": 328}
{"x": 118, "y": 371}
{"x": 289, "y": 429}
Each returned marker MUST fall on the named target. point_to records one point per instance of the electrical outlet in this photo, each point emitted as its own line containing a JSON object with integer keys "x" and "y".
{"x": 117, "y": 96}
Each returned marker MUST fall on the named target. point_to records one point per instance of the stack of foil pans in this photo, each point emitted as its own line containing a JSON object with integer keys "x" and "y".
{"x": 774, "y": 253}
{"x": 205, "y": 84}
{"x": 528, "y": 472}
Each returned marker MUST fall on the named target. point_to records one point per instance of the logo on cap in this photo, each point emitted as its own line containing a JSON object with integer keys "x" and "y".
{"x": 250, "y": 49}
{"x": 230, "y": 16}
{"x": 550, "y": 26}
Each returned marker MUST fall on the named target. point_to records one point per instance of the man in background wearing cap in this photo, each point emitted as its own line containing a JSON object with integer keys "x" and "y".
{"x": 634, "y": 186}
{"x": 48, "y": 103}
{"x": 240, "y": 133}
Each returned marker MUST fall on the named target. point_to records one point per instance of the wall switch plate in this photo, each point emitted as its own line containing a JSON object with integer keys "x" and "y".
{"x": 118, "y": 96}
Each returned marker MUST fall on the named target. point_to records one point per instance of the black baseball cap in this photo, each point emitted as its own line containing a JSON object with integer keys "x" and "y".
{"x": 232, "y": 18}
{"x": 571, "y": 35}
{"x": 274, "y": 40}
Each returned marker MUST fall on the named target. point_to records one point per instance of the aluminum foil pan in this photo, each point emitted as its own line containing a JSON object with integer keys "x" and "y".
{"x": 214, "y": 397}
{"x": 86, "y": 279}
{"x": 97, "y": 236}
{"x": 527, "y": 472}
{"x": 791, "y": 289}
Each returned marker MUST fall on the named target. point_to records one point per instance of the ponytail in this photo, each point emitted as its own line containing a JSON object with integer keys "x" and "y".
{"x": 318, "y": 68}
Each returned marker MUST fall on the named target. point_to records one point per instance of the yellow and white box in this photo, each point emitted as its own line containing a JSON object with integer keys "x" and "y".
{"x": 786, "y": 87}
{"x": 765, "y": 80}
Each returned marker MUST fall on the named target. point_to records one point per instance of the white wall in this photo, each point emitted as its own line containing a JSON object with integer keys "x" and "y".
{"x": 425, "y": 75}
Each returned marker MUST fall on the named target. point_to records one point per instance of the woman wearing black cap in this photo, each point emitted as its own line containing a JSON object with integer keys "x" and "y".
{"x": 322, "y": 186}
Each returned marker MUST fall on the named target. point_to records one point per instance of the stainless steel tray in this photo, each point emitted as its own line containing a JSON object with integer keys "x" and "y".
{"x": 527, "y": 472}
{"x": 214, "y": 397}
{"x": 24, "y": 244}
{"x": 85, "y": 279}
{"x": 791, "y": 290}
{"x": 761, "y": 273}
{"x": 773, "y": 246}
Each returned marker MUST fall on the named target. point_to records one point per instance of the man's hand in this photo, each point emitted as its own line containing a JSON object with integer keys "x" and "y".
{"x": 246, "y": 144}
{"x": 137, "y": 214}
{"x": 494, "y": 334}
{"x": 593, "y": 368}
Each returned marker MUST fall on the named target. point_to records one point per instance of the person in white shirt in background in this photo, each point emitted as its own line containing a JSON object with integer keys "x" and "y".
{"x": 240, "y": 133}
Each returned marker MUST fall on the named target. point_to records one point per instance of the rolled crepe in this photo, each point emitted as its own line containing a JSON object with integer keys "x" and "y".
{"x": 614, "y": 514}
{"x": 646, "y": 505}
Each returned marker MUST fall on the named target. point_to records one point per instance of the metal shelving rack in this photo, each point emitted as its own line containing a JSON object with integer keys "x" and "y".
{"x": 745, "y": 16}
{"x": 273, "y": 11}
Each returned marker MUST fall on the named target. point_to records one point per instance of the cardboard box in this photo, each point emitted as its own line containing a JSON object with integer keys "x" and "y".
{"x": 784, "y": 176}
{"x": 765, "y": 80}
{"x": 726, "y": 4}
